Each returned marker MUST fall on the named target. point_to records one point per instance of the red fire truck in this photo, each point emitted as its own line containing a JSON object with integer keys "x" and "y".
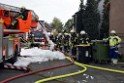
{"x": 9, "y": 45}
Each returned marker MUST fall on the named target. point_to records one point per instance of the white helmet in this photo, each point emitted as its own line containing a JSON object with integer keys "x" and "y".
{"x": 22, "y": 9}
{"x": 113, "y": 32}
{"x": 48, "y": 33}
{"x": 51, "y": 33}
{"x": 59, "y": 34}
{"x": 65, "y": 33}
{"x": 72, "y": 31}
{"x": 82, "y": 32}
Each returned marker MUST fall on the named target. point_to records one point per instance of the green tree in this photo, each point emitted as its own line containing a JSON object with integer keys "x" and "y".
{"x": 68, "y": 25}
{"x": 57, "y": 24}
{"x": 105, "y": 23}
{"x": 91, "y": 19}
{"x": 79, "y": 18}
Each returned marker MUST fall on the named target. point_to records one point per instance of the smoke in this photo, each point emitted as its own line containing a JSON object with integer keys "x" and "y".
{"x": 50, "y": 42}
{"x": 85, "y": 2}
{"x": 100, "y": 10}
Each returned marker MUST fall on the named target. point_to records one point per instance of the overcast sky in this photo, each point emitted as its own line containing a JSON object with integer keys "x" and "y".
{"x": 48, "y": 9}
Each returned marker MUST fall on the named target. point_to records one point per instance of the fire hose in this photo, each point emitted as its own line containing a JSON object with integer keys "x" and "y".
{"x": 62, "y": 76}
{"x": 33, "y": 72}
{"x": 105, "y": 69}
{"x": 66, "y": 75}
{"x": 75, "y": 73}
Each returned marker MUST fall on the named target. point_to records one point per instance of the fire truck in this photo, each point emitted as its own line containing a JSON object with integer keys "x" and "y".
{"x": 9, "y": 45}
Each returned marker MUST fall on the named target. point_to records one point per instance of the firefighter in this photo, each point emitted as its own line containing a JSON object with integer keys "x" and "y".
{"x": 114, "y": 42}
{"x": 52, "y": 37}
{"x": 84, "y": 48}
{"x": 30, "y": 40}
{"x": 66, "y": 42}
{"x": 83, "y": 38}
{"x": 59, "y": 41}
{"x": 56, "y": 39}
{"x": 23, "y": 15}
{"x": 74, "y": 41}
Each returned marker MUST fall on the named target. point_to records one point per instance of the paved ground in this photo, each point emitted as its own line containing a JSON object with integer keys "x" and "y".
{"x": 5, "y": 73}
{"x": 90, "y": 76}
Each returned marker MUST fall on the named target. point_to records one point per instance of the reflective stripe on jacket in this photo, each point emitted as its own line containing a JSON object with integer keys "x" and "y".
{"x": 114, "y": 40}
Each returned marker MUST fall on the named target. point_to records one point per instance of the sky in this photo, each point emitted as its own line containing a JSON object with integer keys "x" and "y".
{"x": 48, "y": 9}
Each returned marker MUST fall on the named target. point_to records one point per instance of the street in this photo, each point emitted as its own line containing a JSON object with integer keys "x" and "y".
{"x": 90, "y": 76}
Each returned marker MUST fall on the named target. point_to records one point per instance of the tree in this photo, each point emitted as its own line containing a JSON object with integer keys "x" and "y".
{"x": 105, "y": 24}
{"x": 91, "y": 19}
{"x": 79, "y": 17}
{"x": 57, "y": 24}
{"x": 68, "y": 25}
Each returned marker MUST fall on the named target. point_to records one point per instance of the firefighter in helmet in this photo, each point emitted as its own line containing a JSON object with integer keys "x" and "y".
{"x": 74, "y": 41}
{"x": 52, "y": 37}
{"x": 66, "y": 42}
{"x": 31, "y": 39}
{"x": 59, "y": 40}
{"x": 23, "y": 15}
{"x": 83, "y": 38}
{"x": 114, "y": 42}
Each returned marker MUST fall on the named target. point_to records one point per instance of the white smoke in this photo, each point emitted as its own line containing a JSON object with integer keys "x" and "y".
{"x": 100, "y": 10}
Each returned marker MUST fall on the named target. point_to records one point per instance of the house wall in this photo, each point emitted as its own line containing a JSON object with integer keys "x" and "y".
{"x": 117, "y": 16}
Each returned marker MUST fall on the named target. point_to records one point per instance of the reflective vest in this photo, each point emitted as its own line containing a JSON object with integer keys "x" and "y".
{"x": 114, "y": 41}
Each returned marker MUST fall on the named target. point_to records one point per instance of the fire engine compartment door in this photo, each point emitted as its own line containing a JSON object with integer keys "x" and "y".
{"x": 1, "y": 42}
{"x": 9, "y": 47}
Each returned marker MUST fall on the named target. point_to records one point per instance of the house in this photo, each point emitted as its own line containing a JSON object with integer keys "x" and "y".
{"x": 116, "y": 18}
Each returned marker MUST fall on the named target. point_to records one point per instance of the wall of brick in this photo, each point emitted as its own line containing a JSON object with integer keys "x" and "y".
{"x": 117, "y": 15}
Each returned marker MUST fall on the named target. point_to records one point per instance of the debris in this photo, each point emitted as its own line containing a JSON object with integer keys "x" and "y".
{"x": 84, "y": 80}
{"x": 87, "y": 76}
{"x": 84, "y": 74}
{"x": 91, "y": 77}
